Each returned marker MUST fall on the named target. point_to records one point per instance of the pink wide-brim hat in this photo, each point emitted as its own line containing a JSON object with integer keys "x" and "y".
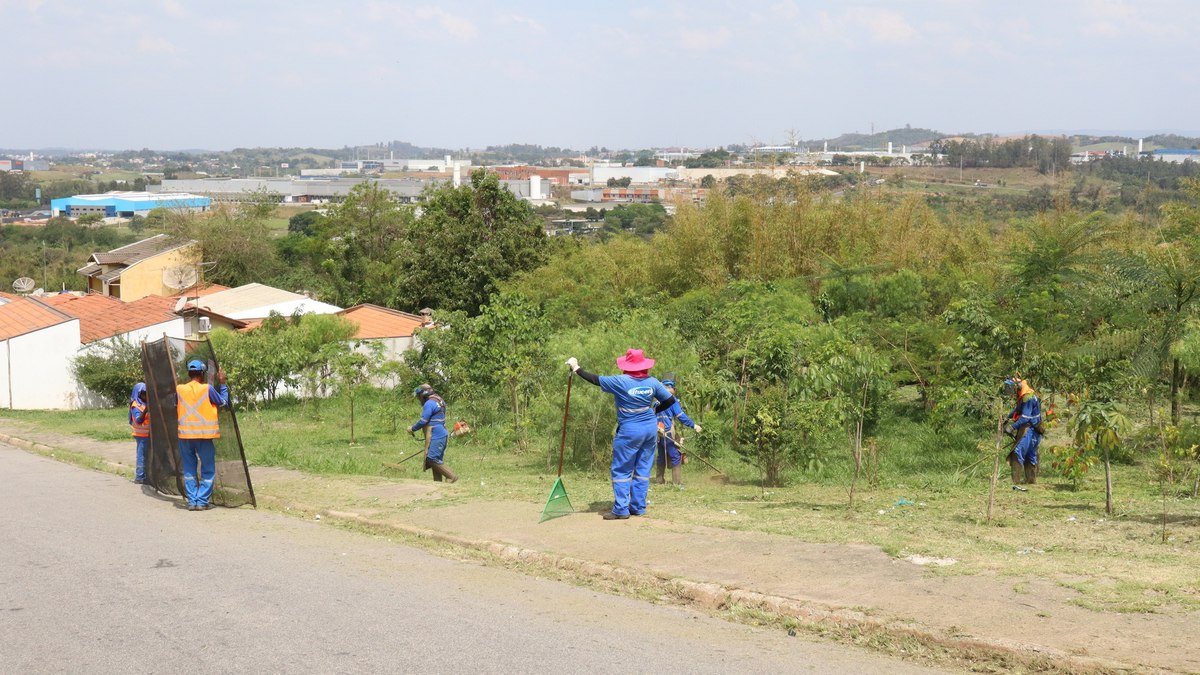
{"x": 634, "y": 361}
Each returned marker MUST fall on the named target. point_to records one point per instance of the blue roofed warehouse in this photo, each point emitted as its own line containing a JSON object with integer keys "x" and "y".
{"x": 127, "y": 204}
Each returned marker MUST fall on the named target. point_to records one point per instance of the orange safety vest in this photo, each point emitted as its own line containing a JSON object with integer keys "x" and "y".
{"x": 197, "y": 414}
{"x": 139, "y": 430}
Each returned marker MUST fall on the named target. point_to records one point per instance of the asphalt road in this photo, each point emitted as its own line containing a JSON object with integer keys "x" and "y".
{"x": 97, "y": 576}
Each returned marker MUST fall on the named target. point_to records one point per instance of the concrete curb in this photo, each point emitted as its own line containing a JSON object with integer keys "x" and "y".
{"x": 710, "y": 596}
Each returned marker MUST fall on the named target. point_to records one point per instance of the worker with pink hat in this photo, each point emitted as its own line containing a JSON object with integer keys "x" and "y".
{"x": 639, "y": 398}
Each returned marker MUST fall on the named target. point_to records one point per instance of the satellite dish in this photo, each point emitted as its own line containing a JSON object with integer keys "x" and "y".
{"x": 24, "y": 285}
{"x": 180, "y": 277}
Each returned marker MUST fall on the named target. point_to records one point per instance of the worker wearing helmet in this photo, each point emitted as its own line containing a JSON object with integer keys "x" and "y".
{"x": 668, "y": 446}
{"x": 1026, "y": 425}
{"x": 433, "y": 420}
{"x": 196, "y": 404}
{"x": 139, "y": 426}
{"x": 635, "y": 394}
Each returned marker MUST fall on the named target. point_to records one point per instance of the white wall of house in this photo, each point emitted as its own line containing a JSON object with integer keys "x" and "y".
{"x": 393, "y": 347}
{"x": 35, "y": 369}
{"x": 175, "y": 328}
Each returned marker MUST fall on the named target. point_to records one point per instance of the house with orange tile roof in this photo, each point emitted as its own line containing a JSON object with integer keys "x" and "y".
{"x": 391, "y": 328}
{"x": 37, "y": 342}
{"x": 103, "y": 318}
{"x": 40, "y": 336}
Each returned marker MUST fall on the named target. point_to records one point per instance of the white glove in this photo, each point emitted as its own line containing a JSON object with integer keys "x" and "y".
{"x": 697, "y": 428}
{"x": 573, "y": 364}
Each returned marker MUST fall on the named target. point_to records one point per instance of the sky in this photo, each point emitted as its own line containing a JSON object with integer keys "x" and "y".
{"x": 219, "y": 74}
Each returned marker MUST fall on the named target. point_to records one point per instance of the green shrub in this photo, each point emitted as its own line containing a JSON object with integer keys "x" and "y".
{"x": 110, "y": 369}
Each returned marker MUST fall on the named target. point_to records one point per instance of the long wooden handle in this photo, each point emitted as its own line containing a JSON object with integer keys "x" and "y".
{"x": 562, "y": 443}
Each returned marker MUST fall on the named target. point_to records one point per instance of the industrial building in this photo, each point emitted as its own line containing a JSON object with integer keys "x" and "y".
{"x": 127, "y": 204}
{"x": 393, "y": 164}
{"x": 1176, "y": 155}
{"x": 322, "y": 190}
{"x": 24, "y": 165}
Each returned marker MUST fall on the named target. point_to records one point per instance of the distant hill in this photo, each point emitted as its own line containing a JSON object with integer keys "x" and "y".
{"x": 905, "y": 136}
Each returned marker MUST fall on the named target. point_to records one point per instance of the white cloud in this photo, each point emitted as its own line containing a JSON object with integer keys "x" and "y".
{"x": 453, "y": 24}
{"x": 703, "y": 40}
{"x": 860, "y": 24}
{"x": 156, "y": 45}
{"x": 173, "y": 8}
{"x": 529, "y": 22}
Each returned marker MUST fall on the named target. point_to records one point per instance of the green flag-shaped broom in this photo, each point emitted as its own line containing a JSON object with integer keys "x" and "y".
{"x": 558, "y": 503}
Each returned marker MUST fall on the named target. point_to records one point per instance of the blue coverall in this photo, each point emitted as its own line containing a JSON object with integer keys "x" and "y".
{"x": 201, "y": 453}
{"x": 666, "y": 444}
{"x": 1027, "y": 414}
{"x": 139, "y": 417}
{"x": 633, "y": 446}
{"x": 433, "y": 413}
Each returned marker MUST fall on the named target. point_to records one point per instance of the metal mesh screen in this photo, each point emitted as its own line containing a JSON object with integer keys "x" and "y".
{"x": 164, "y": 364}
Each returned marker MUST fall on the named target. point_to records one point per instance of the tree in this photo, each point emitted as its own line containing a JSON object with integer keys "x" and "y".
{"x": 854, "y": 379}
{"x": 110, "y": 369}
{"x": 353, "y": 366}
{"x": 236, "y": 240}
{"x": 508, "y": 349}
{"x": 467, "y": 241}
{"x": 305, "y": 222}
{"x": 620, "y": 182}
{"x": 1100, "y": 425}
{"x": 708, "y": 182}
{"x": 360, "y": 245}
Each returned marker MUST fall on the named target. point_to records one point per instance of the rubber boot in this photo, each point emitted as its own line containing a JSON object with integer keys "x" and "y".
{"x": 1015, "y": 464}
{"x": 677, "y": 476}
{"x": 444, "y": 470}
{"x": 661, "y": 476}
{"x": 1031, "y": 472}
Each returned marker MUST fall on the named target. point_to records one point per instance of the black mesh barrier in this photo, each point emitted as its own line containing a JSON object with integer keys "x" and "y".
{"x": 165, "y": 363}
{"x": 162, "y": 456}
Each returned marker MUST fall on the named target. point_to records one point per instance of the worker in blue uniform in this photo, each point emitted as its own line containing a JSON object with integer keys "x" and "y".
{"x": 639, "y": 398}
{"x": 668, "y": 446}
{"x": 433, "y": 421}
{"x": 139, "y": 426}
{"x": 196, "y": 404}
{"x": 1026, "y": 424}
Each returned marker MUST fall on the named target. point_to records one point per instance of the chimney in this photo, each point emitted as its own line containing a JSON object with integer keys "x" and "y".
{"x": 862, "y": 167}
{"x": 1139, "y": 146}
{"x": 826, "y": 147}
{"x": 457, "y": 175}
{"x": 889, "y": 147}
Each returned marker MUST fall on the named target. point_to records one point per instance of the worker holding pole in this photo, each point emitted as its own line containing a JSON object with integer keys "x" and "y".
{"x": 196, "y": 404}
{"x": 1026, "y": 424}
{"x": 635, "y": 394}
{"x": 433, "y": 421}
{"x": 668, "y": 445}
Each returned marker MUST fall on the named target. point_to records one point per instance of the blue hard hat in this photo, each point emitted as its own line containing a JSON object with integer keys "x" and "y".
{"x": 196, "y": 366}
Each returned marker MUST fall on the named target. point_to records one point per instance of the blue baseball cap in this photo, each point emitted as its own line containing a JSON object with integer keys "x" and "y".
{"x": 668, "y": 383}
{"x": 196, "y": 366}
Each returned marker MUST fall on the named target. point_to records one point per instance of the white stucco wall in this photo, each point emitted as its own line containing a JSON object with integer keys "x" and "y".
{"x": 175, "y": 328}
{"x": 35, "y": 369}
